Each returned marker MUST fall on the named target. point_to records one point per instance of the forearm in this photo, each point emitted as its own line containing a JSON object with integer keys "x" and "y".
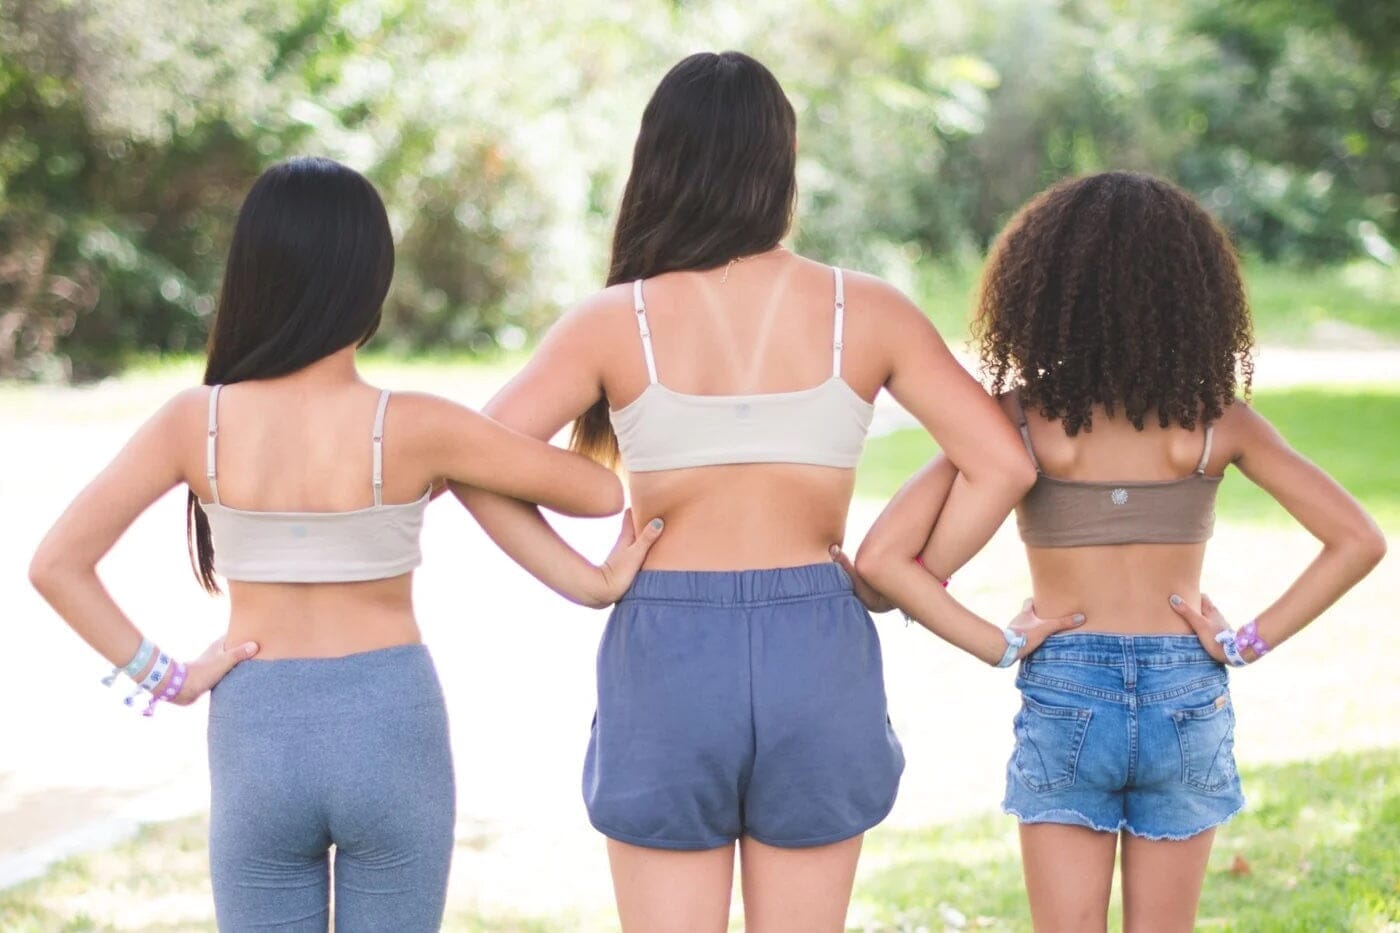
{"x": 80, "y": 599}
{"x": 925, "y": 600}
{"x": 1334, "y": 571}
{"x": 973, "y": 512}
{"x": 521, "y": 531}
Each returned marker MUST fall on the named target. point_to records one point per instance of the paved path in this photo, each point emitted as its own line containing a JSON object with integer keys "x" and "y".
{"x": 516, "y": 662}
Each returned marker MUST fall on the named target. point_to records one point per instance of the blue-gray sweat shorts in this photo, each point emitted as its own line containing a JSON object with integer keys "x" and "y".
{"x": 745, "y": 703}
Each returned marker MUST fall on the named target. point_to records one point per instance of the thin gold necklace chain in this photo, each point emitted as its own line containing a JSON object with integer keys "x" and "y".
{"x": 729, "y": 265}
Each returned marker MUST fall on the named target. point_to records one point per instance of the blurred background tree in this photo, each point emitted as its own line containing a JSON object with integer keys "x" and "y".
{"x": 500, "y": 135}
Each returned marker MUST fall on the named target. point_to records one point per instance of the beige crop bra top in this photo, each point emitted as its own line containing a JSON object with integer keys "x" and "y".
{"x": 1077, "y": 513}
{"x": 824, "y": 425}
{"x": 373, "y": 543}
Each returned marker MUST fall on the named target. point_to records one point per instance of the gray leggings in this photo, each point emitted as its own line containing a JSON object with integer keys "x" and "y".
{"x": 347, "y": 752}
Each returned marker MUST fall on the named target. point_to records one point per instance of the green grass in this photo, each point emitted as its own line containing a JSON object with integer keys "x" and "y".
{"x": 1288, "y": 302}
{"x": 1352, "y": 433}
{"x": 1321, "y": 841}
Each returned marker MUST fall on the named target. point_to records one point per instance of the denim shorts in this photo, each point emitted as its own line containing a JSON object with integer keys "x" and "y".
{"x": 1130, "y": 732}
{"x": 747, "y": 703}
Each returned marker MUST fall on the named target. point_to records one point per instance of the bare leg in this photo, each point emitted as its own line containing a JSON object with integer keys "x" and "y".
{"x": 662, "y": 891}
{"x": 1162, "y": 882}
{"x": 797, "y": 890}
{"x": 1069, "y": 876}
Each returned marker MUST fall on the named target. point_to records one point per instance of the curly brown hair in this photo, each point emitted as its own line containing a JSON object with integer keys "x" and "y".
{"x": 1116, "y": 289}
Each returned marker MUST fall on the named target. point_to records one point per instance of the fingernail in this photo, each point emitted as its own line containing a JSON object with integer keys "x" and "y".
{"x": 834, "y": 551}
{"x": 657, "y": 523}
{"x": 1175, "y": 600}
{"x": 1079, "y": 618}
{"x": 250, "y": 649}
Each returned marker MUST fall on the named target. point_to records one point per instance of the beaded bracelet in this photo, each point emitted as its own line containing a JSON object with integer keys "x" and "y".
{"x": 170, "y": 691}
{"x": 1248, "y": 637}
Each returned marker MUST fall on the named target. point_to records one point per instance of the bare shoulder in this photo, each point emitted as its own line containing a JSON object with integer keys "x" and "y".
{"x": 1241, "y": 429}
{"x": 187, "y": 412}
{"x": 873, "y": 295}
{"x": 596, "y": 317}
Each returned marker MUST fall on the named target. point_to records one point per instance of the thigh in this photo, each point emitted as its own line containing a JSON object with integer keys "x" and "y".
{"x": 1069, "y": 876}
{"x": 268, "y": 843}
{"x": 797, "y": 890}
{"x": 392, "y": 821}
{"x": 668, "y": 891}
{"x": 1162, "y": 881}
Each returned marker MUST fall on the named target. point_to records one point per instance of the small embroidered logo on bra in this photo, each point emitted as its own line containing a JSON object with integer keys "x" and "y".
{"x": 1119, "y": 496}
{"x": 742, "y": 410}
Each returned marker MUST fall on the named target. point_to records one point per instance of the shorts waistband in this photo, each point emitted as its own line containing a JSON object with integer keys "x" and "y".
{"x": 740, "y": 587}
{"x": 1105, "y": 648}
{"x": 317, "y": 688}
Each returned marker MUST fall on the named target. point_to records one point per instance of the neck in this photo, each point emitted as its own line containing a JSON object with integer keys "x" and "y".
{"x": 335, "y": 369}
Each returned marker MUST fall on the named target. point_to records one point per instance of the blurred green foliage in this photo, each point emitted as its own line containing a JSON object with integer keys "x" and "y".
{"x": 500, "y": 136}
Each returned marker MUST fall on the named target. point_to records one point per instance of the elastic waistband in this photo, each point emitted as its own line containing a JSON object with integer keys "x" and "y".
{"x": 316, "y": 688}
{"x": 1104, "y": 648}
{"x": 740, "y": 587}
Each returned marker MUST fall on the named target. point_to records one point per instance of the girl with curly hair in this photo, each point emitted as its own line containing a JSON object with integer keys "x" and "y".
{"x": 1115, "y": 332}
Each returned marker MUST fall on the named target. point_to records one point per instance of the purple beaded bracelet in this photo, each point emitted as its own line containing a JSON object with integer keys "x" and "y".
{"x": 170, "y": 691}
{"x": 1248, "y": 637}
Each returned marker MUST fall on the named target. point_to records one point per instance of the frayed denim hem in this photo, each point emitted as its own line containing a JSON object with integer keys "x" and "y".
{"x": 1066, "y": 817}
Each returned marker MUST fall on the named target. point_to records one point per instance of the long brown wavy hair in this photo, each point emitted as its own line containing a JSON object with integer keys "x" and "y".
{"x": 714, "y": 176}
{"x": 1116, "y": 289}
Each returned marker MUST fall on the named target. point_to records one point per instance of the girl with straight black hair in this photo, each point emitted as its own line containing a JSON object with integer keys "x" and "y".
{"x": 306, "y": 493}
{"x": 740, "y": 692}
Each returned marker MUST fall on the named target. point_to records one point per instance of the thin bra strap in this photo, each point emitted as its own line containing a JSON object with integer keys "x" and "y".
{"x": 1024, "y": 428}
{"x": 1205, "y": 450}
{"x": 644, "y": 328}
{"x": 211, "y": 445}
{"x": 840, "y": 327}
{"x": 378, "y": 480}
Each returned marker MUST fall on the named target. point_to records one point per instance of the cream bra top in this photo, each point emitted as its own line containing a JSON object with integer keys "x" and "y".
{"x": 662, "y": 429}
{"x": 373, "y": 543}
{"x": 1079, "y": 513}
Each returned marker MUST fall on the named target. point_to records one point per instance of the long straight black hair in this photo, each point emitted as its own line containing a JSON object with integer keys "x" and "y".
{"x": 309, "y": 266}
{"x": 713, "y": 177}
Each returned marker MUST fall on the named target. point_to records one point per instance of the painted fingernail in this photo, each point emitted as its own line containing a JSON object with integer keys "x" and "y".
{"x": 250, "y": 649}
{"x": 834, "y": 551}
{"x": 1079, "y": 618}
{"x": 1175, "y": 600}
{"x": 657, "y": 523}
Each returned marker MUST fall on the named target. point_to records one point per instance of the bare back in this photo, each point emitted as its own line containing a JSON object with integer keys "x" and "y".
{"x": 1121, "y": 588}
{"x": 767, "y": 329}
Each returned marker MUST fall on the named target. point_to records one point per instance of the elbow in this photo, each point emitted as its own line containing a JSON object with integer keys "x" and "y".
{"x": 44, "y": 571}
{"x": 1020, "y": 475}
{"x": 871, "y": 561}
{"x": 609, "y": 499}
{"x": 1371, "y": 547}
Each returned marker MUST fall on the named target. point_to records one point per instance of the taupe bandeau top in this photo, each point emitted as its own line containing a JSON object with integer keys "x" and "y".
{"x": 1077, "y": 513}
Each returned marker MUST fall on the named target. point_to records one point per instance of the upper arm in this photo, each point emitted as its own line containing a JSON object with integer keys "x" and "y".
{"x": 146, "y": 468}
{"x": 928, "y": 380}
{"x": 564, "y": 376}
{"x": 1310, "y": 495}
{"x": 465, "y": 447}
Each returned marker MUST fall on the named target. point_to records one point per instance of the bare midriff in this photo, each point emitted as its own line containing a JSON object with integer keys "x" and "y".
{"x": 322, "y": 620}
{"x": 1121, "y": 588}
{"x": 751, "y": 516}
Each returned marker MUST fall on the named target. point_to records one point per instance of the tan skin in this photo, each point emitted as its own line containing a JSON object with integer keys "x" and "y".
{"x": 1128, "y": 589}
{"x": 768, "y": 328}
{"x": 283, "y": 446}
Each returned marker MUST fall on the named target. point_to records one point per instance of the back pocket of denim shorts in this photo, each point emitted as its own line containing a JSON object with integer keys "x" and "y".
{"x": 1206, "y": 734}
{"x": 1048, "y": 740}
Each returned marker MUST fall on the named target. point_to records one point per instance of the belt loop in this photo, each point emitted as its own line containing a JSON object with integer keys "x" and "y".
{"x": 1129, "y": 662}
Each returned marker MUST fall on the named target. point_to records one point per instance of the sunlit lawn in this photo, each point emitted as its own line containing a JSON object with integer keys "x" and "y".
{"x": 1353, "y": 433}
{"x": 1317, "y": 849}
